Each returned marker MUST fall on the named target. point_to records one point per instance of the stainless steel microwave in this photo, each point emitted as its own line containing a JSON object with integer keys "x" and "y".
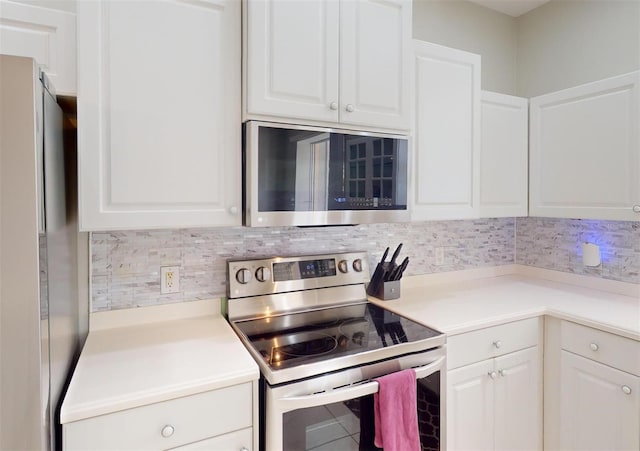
{"x": 313, "y": 176}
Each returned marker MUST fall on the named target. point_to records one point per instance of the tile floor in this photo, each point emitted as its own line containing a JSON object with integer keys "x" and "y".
{"x": 325, "y": 428}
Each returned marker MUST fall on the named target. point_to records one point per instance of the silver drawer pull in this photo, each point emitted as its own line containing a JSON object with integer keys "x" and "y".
{"x": 497, "y": 344}
{"x": 502, "y": 373}
{"x": 594, "y": 346}
{"x": 167, "y": 431}
{"x": 626, "y": 389}
{"x": 492, "y": 374}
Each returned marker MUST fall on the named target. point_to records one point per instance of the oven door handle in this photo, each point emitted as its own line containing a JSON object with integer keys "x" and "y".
{"x": 349, "y": 392}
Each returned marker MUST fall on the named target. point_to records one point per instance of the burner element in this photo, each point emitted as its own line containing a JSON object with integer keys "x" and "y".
{"x": 314, "y": 344}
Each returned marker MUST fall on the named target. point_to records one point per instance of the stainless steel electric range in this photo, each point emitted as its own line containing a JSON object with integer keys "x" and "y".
{"x": 320, "y": 344}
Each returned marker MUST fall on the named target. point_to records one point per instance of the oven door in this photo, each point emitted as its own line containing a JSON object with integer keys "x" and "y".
{"x": 335, "y": 411}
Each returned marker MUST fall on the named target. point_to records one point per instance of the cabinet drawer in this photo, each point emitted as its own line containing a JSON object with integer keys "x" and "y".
{"x": 192, "y": 418}
{"x": 233, "y": 441}
{"x": 492, "y": 342}
{"x": 612, "y": 350}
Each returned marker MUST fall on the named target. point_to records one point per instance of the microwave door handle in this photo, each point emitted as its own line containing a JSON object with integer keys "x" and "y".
{"x": 350, "y": 392}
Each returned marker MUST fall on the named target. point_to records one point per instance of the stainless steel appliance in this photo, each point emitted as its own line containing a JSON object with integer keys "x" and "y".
{"x": 320, "y": 344}
{"x": 299, "y": 175}
{"x": 40, "y": 316}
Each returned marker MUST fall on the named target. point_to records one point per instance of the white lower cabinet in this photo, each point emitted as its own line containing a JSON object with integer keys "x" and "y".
{"x": 214, "y": 420}
{"x": 599, "y": 404}
{"x": 495, "y": 403}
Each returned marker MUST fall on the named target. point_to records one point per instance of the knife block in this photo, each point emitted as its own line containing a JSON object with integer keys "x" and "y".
{"x": 387, "y": 290}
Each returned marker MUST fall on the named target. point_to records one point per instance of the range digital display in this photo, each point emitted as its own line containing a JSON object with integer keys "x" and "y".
{"x": 304, "y": 269}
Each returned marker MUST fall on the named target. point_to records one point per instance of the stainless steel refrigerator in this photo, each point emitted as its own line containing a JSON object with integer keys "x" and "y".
{"x": 40, "y": 310}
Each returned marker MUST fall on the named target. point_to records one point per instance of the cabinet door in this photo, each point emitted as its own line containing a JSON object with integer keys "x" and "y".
{"x": 375, "y": 49}
{"x": 292, "y": 59}
{"x": 470, "y": 411}
{"x": 504, "y": 156}
{"x": 447, "y": 133}
{"x": 159, "y": 133}
{"x": 585, "y": 151}
{"x": 46, "y": 35}
{"x": 518, "y": 401}
{"x": 600, "y": 406}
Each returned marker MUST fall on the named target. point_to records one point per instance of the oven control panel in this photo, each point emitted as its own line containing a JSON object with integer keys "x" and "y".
{"x": 282, "y": 274}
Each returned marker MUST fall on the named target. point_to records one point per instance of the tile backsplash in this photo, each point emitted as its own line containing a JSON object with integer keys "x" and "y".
{"x": 125, "y": 269}
{"x": 555, "y": 244}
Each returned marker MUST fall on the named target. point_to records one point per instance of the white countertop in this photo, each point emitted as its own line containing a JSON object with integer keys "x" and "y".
{"x": 139, "y": 364}
{"x": 136, "y": 357}
{"x": 455, "y": 307}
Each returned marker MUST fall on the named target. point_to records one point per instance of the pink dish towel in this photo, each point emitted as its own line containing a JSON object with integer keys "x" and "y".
{"x": 396, "y": 412}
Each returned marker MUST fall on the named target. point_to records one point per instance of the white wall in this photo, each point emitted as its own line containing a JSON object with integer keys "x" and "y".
{"x": 467, "y": 26}
{"x": 566, "y": 43}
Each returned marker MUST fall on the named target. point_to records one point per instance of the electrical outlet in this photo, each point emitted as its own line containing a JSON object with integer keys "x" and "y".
{"x": 439, "y": 256}
{"x": 169, "y": 279}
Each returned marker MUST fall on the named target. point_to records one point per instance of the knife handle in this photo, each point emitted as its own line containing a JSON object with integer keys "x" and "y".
{"x": 386, "y": 252}
{"x": 395, "y": 254}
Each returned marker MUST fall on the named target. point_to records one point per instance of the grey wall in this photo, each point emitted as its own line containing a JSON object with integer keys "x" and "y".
{"x": 560, "y": 44}
{"x": 467, "y": 26}
{"x": 566, "y": 43}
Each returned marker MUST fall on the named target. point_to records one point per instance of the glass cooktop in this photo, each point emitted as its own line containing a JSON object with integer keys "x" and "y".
{"x": 294, "y": 339}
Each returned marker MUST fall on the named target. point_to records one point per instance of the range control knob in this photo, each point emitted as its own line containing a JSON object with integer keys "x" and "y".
{"x": 263, "y": 274}
{"x": 357, "y": 265}
{"x": 342, "y": 266}
{"x": 243, "y": 276}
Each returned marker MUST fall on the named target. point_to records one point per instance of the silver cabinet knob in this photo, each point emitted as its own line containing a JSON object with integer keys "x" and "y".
{"x": 244, "y": 448}
{"x": 492, "y": 374}
{"x": 497, "y": 344}
{"x": 350, "y": 108}
{"x": 636, "y": 208}
{"x": 594, "y": 346}
{"x": 233, "y": 210}
{"x": 502, "y": 373}
{"x": 333, "y": 105}
{"x": 626, "y": 389}
{"x": 167, "y": 431}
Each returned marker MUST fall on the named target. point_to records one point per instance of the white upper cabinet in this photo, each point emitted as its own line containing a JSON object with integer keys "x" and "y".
{"x": 159, "y": 120}
{"x": 47, "y": 35}
{"x": 585, "y": 151}
{"x": 326, "y": 62}
{"x": 447, "y": 133}
{"x": 504, "y": 155}
{"x": 375, "y": 50}
{"x": 292, "y": 59}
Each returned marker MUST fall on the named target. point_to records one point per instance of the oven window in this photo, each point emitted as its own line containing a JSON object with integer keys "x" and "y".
{"x": 349, "y": 425}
